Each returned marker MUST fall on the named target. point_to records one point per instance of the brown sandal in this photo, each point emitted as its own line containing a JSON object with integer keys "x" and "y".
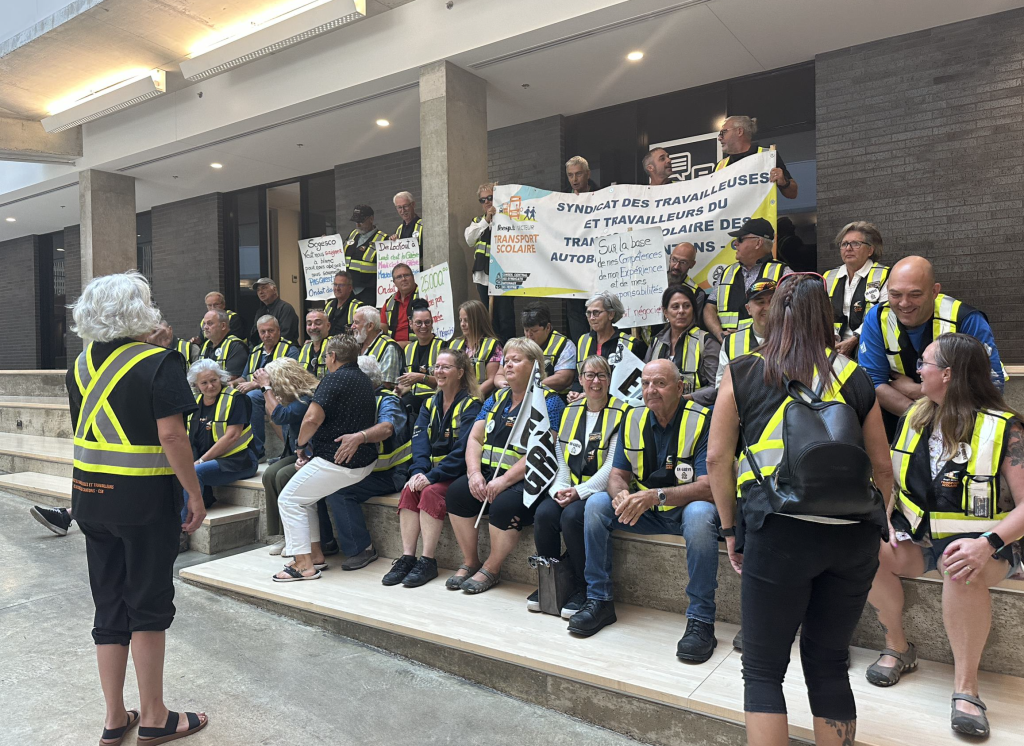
{"x": 906, "y": 662}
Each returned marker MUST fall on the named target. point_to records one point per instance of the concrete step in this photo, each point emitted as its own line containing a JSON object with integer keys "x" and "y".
{"x": 33, "y": 383}
{"x": 626, "y": 678}
{"x": 225, "y": 526}
{"x": 36, "y": 415}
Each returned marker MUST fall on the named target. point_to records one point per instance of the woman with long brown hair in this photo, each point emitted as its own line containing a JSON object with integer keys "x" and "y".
{"x": 801, "y": 565}
{"x": 958, "y": 459}
{"x": 479, "y": 341}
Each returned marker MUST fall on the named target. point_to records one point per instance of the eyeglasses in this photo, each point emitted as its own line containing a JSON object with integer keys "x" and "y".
{"x": 673, "y": 262}
{"x": 428, "y": 322}
{"x": 591, "y": 376}
{"x": 485, "y": 200}
{"x": 402, "y": 277}
{"x": 443, "y": 368}
{"x": 724, "y": 130}
{"x": 853, "y": 244}
{"x": 922, "y": 362}
{"x": 594, "y": 314}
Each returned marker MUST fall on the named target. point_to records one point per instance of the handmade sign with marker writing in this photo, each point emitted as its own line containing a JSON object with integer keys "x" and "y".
{"x": 632, "y": 266}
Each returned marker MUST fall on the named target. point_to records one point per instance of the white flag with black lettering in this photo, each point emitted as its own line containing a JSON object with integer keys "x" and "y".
{"x": 626, "y": 371}
{"x": 541, "y": 463}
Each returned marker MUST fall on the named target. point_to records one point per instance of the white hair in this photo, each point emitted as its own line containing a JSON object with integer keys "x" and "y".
{"x": 266, "y": 319}
{"x": 611, "y": 304}
{"x": 371, "y": 316}
{"x": 406, "y": 195}
{"x": 747, "y": 124}
{"x": 368, "y": 364}
{"x": 204, "y": 365}
{"x": 578, "y": 160}
{"x": 113, "y": 307}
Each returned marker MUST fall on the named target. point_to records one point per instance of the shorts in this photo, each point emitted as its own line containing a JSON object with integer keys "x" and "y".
{"x": 933, "y": 549}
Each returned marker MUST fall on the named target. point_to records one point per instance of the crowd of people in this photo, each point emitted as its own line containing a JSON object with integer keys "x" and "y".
{"x": 374, "y": 403}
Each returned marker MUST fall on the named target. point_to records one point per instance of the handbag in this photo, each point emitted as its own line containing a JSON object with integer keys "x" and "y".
{"x": 555, "y": 583}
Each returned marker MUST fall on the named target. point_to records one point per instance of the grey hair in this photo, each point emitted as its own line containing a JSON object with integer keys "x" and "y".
{"x": 368, "y": 364}
{"x": 113, "y": 307}
{"x": 487, "y": 187}
{"x": 222, "y": 316}
{"x": 215, "y": 292}
{"x": 370, "y": 315}
{"x": 677, "y": 375}
{"x": 648, "y": 158}
{"x": 266, "y": 319}
{"x": 203, "y": 366}
{"x": 407, "y": 195}
{"x": 578, "y": 160}
{"x": 611, "y": 303}
{"x": 747, "y": 124}
{"x": 871, "y": 233}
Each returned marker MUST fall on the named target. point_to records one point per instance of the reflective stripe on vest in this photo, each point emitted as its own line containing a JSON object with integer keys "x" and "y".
{"x": 221, "y": 412}
{"x": 587, "y": 346}
{"x": 184, "y": 348}
{"x": 482, "y": 247}
{"x": 768, "y": 449}
{"x": 725, "y": 161}
{"x": 390, "y": 452}
{"x": 224, "y": 347}
{"x": 695, "y": 419}
{"x": 363, "y": 261}
{"x": 380, "y": 344}
{"x": 456, "y": 413}
{"x": 353, "y": 304}
{"x": 834, "y": 282}
{"x": 280, "y": 350}
{"x": 111, "y": 452}
{"x": 740, "y": 343}
{"x": 484, "y": 353}
{"x": 570, "y": 427}
{"x": 306, "y": 358}
{"x": 731, "y": 304}
{"x": 491, "y": 454}
{"x": 417, "y": 231}
{"x": 436, "y": 346}
{"x": 689, "y": 363}
{"x": 391, "y": 307}
{"x": 982, "y": 474}
{"x": 945, "y": 318}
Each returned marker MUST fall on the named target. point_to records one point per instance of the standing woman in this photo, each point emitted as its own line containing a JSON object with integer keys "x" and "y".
{"x": 813, "y": 570}
{"x": 958, "y": 459}
{"x": 859, "y": 283}
{"x": 128, "y": 404}
{"x": 479, "y": 341}
{"x": 693, "y": 350}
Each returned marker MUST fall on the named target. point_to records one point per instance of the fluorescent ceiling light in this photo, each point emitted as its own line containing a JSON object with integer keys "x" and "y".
{"x": 635, "y": 56}
{"x": 288, "y": 24}
{"x": 100, "y": 101}
{"x": 216, "y": 165}
{"x": 11, "y": 220}
{"x": 383, "y": 123}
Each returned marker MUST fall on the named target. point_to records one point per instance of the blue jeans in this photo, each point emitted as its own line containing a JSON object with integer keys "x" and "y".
{"x": 258, "y": 422}
{"x": 346, "y": 506}
{"x": 696, "y": 522}
{"x": 210, "y": 474}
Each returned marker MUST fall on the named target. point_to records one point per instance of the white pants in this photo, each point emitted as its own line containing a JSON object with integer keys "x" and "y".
{"x": 297, "y": 501}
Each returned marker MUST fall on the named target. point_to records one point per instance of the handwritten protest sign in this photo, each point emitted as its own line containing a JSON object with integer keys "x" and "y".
{"x": 435, "y": 284}
{"x": 390, "y": 253}
{"x": 632, "y": 266}
{"x": 321, "y": 258}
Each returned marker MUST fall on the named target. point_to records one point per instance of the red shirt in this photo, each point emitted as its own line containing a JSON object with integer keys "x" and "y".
{"x": 400, "y": 331}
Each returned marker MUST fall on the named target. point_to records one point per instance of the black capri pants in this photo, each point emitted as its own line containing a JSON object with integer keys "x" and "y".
{"x": 131, "y": 572}
{"x": 815, "y": 574}
{"x": 553, "y": 524}
{"x": 506, "y": 512}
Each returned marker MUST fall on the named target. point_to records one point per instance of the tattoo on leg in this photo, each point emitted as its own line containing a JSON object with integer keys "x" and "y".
{"x": 846, "y": 730}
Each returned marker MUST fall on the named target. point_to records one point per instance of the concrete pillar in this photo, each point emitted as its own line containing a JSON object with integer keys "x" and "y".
{"x": 453, "y": 160}
{"x": 107, "y": 205}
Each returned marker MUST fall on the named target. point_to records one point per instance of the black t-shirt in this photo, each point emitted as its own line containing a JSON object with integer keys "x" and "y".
{"x": 129, "y": 500}
{"x": 779, "y": 163}
{"x": 202, "y": 437}
{"x": 349, "y": 405}
{"x": 201, "y": 433}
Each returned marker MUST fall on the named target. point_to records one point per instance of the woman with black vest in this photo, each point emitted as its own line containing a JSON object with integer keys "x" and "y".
{"x": 858, "y": 284}
{"x": 809, "y": 561}
{"x": 587, "y": 434}
{"x": 958, "y": 461}
{"x": 693, "y": 350}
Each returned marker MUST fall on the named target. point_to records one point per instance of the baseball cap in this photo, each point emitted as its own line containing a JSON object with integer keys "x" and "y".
{"x": 361, "y": 213}
{"x": 264, "y": 281}
{"x": 755, "y": 227}
{"x": 761, "y": 287}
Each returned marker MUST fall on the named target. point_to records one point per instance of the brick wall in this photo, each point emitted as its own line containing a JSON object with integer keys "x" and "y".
{"x": 72, "y": 285}
{"x": 188, "y": 259}
{"x": 19, "y": 317}
{"x": 375, "y": 182}
{"x": 531, "y": 153}
{"x": 917, "y": 133}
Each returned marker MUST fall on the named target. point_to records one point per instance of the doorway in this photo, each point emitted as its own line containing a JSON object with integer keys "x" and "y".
{"x": 284, "y": 221}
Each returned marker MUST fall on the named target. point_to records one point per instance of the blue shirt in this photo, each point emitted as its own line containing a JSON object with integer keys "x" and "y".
{"x": 555, "y": 408}
{"x": 391, "y": 410}
{"x": 289, "y": 418}
{"x": 663, "y": 440}
{"x": 872, "y": 344}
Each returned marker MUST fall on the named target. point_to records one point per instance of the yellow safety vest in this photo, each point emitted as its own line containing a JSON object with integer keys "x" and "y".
{"x": 222, "y": 350}
{"x": 316, "y": 365}
{"x": 436, "y": 346}
{"x": 184, "y": 348}
{"x": 740, "y": 343}
{"x": 899, "y": 350}
{"x": 353, "y": 305}
{"x": 491, "y": 454}
{"x": 689, "y": 363}
{"x": 978, "y": 487}
{"x": 391, "y": 311}
{"x": 725, "y": 161}
{"x": 484, "y": 353}
{"x": 417, "y": 231}
{"x": 730, "y": 293}
{"x": 363, "y": 261}
{"x": 281, "y": 349}
{"x": 101, "y": 445}
{"x": 878, "y": 275}
{"x": 572, "y": 431}
{"x": 482, "y": 249}
{"x": 380, "y": 344}
{"x": 392, "y": 451}
{"x": 552, "y": 351}
{"x": 436, "y": 421}
{"x": 587, "y": 346}
{"x": 219, "y": 426}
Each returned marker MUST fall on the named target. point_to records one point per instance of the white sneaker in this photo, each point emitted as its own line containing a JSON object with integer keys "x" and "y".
{"x": 277, "y": 548}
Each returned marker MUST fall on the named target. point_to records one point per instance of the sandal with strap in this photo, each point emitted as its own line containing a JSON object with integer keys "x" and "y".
{"x": 454, "y": 583}
{"x": 906, "y": 662}
{"x": 479, "y": 586}
{"x": 114, "y": 736}
{"x": 964, "y": 722}
{"x": 293, "y": 575}
{"x": 154, "y": 736}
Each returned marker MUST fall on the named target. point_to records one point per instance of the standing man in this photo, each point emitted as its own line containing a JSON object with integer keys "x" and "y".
{"x": 215, "y": 302}
{"x": 478, "y": 235}
{"x": 735, "y": 136}
{"x": 222, "y": 346}
{"x": 577, "y": 171}
{"x": 395, "y": 313}
{"x": 272, "y": 304}
{"x": 361, "y": 254}
{"x": 658, "y": 166}
{"x": 759, "y": 299}
{"x": 342, "y": 307}
{"x": 313, "y": 354}
{"x": 412, "y": 224}
{"x": 753, "y": 245}
{"x": 271, "y": 347}
{"x": 368, "y": 331}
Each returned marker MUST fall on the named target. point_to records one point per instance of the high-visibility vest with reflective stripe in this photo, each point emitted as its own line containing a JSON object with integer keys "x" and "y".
{"x": 648, "y": 333}
{"x": 436, "y": 346}
{"x": 725, "y": 161}
{"x": 353, "y": 305}
{"x": 899, "y": 350}
{"x": 552, "y": 351}
{"x": 482, "y": 249}
{"x": 363, "y": 261}
{"x": 392, "y": 451}
{"x": 231, "y": 317}
{"x": 767, "y": 449}
{"x": 639, "y": 446}
{"x": 281, "y": 349}
{"x": 184, "y": 348}
{"x": 980, "y": 479}
{"x": 382, "y": 343}
{"x": 573, "y": 428}
{"x": 835, "y": 283}
{"x": 317, "y": 365}
{"x": 101, "y": 445}
{"x": 689, "y": 363}
{"x": 740, "y": 343}
{"x": 484, "y": 352}
{"x": 221, "y": 412}
{"x": 731, "y": 291}
{"x": 224, "y": 349}
{"x": 417, "y": 231}
{"x": 497, "y": 436}
{"x": 587, "y": 346}
{"x": 445, "y": 439}
{"x": 391, "y": 311}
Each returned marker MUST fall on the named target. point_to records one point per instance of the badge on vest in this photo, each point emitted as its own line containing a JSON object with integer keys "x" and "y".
{"x": 490, "y": 426}
{"x": 684, "y": 473}
{"x": 963, "y": 453}
{"x": 872, "y": 292}
{"x": 217, "y": 352}
{"x": 574, "y": 447}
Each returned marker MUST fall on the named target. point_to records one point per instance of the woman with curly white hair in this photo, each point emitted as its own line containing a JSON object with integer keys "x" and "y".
{"x": 128, "y": 404}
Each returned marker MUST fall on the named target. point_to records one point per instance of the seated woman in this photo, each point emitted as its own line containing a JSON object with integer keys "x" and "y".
{"x": 693, "y": 350}
{"x": 588, "y": 432}
{"x": 220, "y": 432}
{"x": 438, "y": 458}
{"x": 958, "y": 462}
{"x": 495, "y": 469}
{"x": 604, "y": 310}
{"x": 480, "y": 343}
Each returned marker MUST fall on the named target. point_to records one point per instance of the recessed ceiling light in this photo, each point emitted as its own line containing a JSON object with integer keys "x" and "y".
{"x": 635, "y": 56}
{"x": 10, "y": 220}
{"x": 216, "y": 165}
{"x": 383, "y": 123}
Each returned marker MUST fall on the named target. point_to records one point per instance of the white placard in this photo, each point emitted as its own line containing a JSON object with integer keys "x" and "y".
{"x": 390, "y": 253}
{"x": 631, "y": 265}
{"x": 435, "y": 285}
{"x": 321, "y": 258}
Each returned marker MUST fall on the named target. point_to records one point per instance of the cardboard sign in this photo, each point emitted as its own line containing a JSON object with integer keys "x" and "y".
{"x": 321, "y": 258}
{"x": 435, "y": 285}
{"x": 632, "y": 266}
{"x": 390, "y": 253}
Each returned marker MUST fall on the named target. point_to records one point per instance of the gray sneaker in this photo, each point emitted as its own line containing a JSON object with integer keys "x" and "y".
{"x": 361, "y": 560}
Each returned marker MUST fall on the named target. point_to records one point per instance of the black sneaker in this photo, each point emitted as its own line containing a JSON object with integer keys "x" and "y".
{"x": 422, "y": 573}
{"x": 399, "y": 569}
{"x": 574, "y": 604}
{"x": 698, "y": 643}
{"x": 533, "y": 601}
{"x": 592, "y": 617}
{"x": 737, "y": 641}
{"x": 330, "y": 548}
{"x": 57, "y": 520}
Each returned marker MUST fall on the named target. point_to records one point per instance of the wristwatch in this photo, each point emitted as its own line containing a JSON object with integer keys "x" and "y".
{"x": 995, "y": 540}
{"x": 726, "y": 532}
{"x": 661, "y": 498}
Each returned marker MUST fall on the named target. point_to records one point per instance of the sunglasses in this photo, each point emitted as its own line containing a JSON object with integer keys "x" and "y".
{"x": 485, "y": 200}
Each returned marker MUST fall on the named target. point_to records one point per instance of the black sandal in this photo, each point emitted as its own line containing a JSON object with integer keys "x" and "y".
{"x": 966, "y": 723}
{"x": 293, "y": 575}
{"x": 154, "y": 736}
{"x": 114, "y": 736}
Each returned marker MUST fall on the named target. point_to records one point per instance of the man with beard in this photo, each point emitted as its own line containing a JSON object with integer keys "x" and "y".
{"x": 313, "y": 354}
{"x": 369, "y": 333}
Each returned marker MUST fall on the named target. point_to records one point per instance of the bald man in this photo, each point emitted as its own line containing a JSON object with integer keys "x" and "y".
{"x": 895, "y": 333}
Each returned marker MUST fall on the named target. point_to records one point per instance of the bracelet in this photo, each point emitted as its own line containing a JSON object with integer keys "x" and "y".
{"x": 365, "y": 438}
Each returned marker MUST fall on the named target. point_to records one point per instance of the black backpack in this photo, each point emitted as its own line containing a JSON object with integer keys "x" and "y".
{"x": 825, "y": 469}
